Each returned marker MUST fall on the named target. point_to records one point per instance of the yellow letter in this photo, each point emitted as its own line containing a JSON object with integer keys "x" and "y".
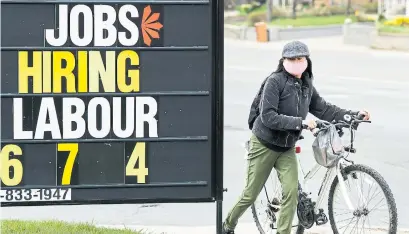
{"x": 82, "y": 71}
{"x": 133, "y": 74}
{"x": 47, "y": 71}
{"x": 24, "y": 71}
{"x": 59, "y": 71}
{"x": 141, "y": 171}
{"x": 72, "y": 148}
{"x": 97, "y": 69}
{"x": 6, "y": 163}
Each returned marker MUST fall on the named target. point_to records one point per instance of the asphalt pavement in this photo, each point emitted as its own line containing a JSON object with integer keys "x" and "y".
{"x": 348, "y": 76}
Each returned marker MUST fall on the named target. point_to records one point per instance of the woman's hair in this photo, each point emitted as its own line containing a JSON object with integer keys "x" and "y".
{"x": 280, "y": 67}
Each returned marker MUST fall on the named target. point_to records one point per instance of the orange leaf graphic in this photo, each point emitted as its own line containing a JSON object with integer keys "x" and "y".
{"x": 152, "y": 33}
{"x": 150, "y": 25}
{"x": 154, "y": 17}
{"x": 155, "y": 26}
{"x": 146, "y": 39}
{"x": 146, "y": 12}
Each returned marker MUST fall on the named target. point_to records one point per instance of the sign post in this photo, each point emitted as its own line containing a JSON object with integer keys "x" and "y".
{"x": 111, "y": 102}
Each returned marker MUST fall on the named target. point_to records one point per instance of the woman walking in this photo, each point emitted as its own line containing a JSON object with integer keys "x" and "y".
{"x": 277, "y": 117}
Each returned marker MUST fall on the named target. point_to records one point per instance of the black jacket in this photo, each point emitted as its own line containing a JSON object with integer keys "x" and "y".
{"x": 281, "y": 104}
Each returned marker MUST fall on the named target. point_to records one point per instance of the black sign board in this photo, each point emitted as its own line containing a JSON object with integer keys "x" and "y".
{"x": 111, "y": 102}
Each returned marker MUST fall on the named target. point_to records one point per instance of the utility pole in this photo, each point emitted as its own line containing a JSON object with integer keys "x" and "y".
{"x": 269, "y": 10}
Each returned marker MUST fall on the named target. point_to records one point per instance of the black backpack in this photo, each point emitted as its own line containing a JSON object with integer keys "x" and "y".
{"x": 254, "y": 109}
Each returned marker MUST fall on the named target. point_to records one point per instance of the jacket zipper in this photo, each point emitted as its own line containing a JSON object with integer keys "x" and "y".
{"x": 298, "y": 101}
{"x": 298, "y": 105}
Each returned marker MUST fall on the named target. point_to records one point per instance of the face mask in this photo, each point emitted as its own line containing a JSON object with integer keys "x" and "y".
{"x": 295, "y": 68}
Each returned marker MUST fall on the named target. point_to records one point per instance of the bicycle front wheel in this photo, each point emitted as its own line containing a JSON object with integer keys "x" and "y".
{"x": 372, "y": 200}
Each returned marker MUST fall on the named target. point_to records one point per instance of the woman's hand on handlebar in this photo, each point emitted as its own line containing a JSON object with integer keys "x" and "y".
{"x": 364, "y": 115}
{"x": 309, "y": 124}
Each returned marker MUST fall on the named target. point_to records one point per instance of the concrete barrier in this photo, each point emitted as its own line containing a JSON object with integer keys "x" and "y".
{"x": 368, "y": 36}
{"x": 234, "y": 31}
{"x": 358, "y": 34}
{"x": 307, "y": 32}
{"x": 389, "y": 41}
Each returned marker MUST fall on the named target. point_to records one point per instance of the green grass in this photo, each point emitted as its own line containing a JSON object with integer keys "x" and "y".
{"x": 52, "y": 227}
{"x": 261, "y": 8}
{"x": 394, "y": 29}
{"x": 312, "y": 21}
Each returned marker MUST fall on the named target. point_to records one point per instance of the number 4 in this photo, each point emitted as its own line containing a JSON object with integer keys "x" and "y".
{"x": 141, "y": 171}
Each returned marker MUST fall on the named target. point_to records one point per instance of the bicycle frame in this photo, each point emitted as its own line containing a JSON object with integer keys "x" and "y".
{"x": 330, "y": 174}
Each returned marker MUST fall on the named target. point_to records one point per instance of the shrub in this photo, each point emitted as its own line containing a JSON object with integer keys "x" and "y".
{"x": 315, "y": 11}
{"x": 398, "y": 21}
{"x": 370, "y": 8}
{"x": 245, "y": 9}
{"x": 256, "y": 16}
{"x": 280, "y": 13}
{"x": 366, "y": 18}
{"x": 337, "y": 10}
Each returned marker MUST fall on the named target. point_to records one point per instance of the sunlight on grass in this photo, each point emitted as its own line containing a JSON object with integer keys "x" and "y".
{"x": 52, "y": 227}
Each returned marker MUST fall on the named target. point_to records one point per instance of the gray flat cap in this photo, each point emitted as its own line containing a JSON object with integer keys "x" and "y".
{"x": 295, "y": 49}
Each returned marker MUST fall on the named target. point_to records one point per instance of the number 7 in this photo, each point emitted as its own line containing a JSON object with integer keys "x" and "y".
{"x": 72, "y": 148}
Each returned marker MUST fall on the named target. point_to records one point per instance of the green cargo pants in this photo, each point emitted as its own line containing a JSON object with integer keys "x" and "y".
{"x": 261, "y": 161}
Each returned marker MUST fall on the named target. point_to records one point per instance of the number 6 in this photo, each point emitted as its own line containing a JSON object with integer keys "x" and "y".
{"x": 6, "y": 163}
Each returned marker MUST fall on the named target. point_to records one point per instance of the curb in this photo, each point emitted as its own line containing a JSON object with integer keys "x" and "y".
{"x": 281, "y": 33}
{"x": 242, "y": 228}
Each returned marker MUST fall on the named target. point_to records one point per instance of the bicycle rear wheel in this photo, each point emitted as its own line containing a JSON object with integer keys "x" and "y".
{"x": 365, "y": 203}
{"x": 265, "y": 208}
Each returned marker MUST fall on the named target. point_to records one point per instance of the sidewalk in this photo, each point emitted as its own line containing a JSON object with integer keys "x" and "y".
{"x": 242, "y": 228}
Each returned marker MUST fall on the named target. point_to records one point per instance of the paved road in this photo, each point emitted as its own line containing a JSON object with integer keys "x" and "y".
{"x": 351, "y": 77}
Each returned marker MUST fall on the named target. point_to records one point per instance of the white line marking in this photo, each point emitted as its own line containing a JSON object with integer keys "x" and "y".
{"x": 364, "y": 79}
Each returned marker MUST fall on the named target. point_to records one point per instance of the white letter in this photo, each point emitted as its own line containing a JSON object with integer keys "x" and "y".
{"x": 141, "y": 117}
{"x": 62, "y": 28}
{"x": 69, "y": 117}
{"x": 18, "y": 131}
{"x": 47, "y": 106}
{"x": 129, "y": 117}
{"x": 129, "y": 25}
{"x": 105, "y": 117}
{"x": 74, "y": 25}
{"x": 100, "y": 25}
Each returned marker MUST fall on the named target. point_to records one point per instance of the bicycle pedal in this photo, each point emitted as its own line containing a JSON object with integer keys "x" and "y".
{"x": 321, "y": 218}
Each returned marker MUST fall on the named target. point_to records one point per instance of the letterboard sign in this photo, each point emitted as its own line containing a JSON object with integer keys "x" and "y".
{"x": 110, "y": 102}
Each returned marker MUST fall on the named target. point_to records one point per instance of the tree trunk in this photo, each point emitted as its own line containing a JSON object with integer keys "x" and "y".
{"x": 348, "y": 7}
{"x": 269, "y": 10}
{"x": 294, "y": 9}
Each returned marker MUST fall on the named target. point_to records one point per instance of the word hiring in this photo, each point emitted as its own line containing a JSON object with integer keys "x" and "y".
{"x": 95, "y": 24}
{"x": 123, "y": 116}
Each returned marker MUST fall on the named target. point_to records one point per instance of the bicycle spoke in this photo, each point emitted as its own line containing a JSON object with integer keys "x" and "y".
{"x": 367, "y": 204}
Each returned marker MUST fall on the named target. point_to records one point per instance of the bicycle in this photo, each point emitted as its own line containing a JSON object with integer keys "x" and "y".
{"x": 309, "y": 212}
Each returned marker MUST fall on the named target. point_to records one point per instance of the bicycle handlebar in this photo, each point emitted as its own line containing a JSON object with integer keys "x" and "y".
{"x": 349, "y": 121}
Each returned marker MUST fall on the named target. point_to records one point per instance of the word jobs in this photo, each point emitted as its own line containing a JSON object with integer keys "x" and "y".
{"x": 94, "y": 26}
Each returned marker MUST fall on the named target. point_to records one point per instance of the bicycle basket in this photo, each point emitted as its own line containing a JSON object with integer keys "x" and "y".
{"x": 327, "y": 147}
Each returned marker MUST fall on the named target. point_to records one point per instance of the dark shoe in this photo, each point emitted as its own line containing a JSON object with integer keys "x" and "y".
{"x": 227, "y": 231}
